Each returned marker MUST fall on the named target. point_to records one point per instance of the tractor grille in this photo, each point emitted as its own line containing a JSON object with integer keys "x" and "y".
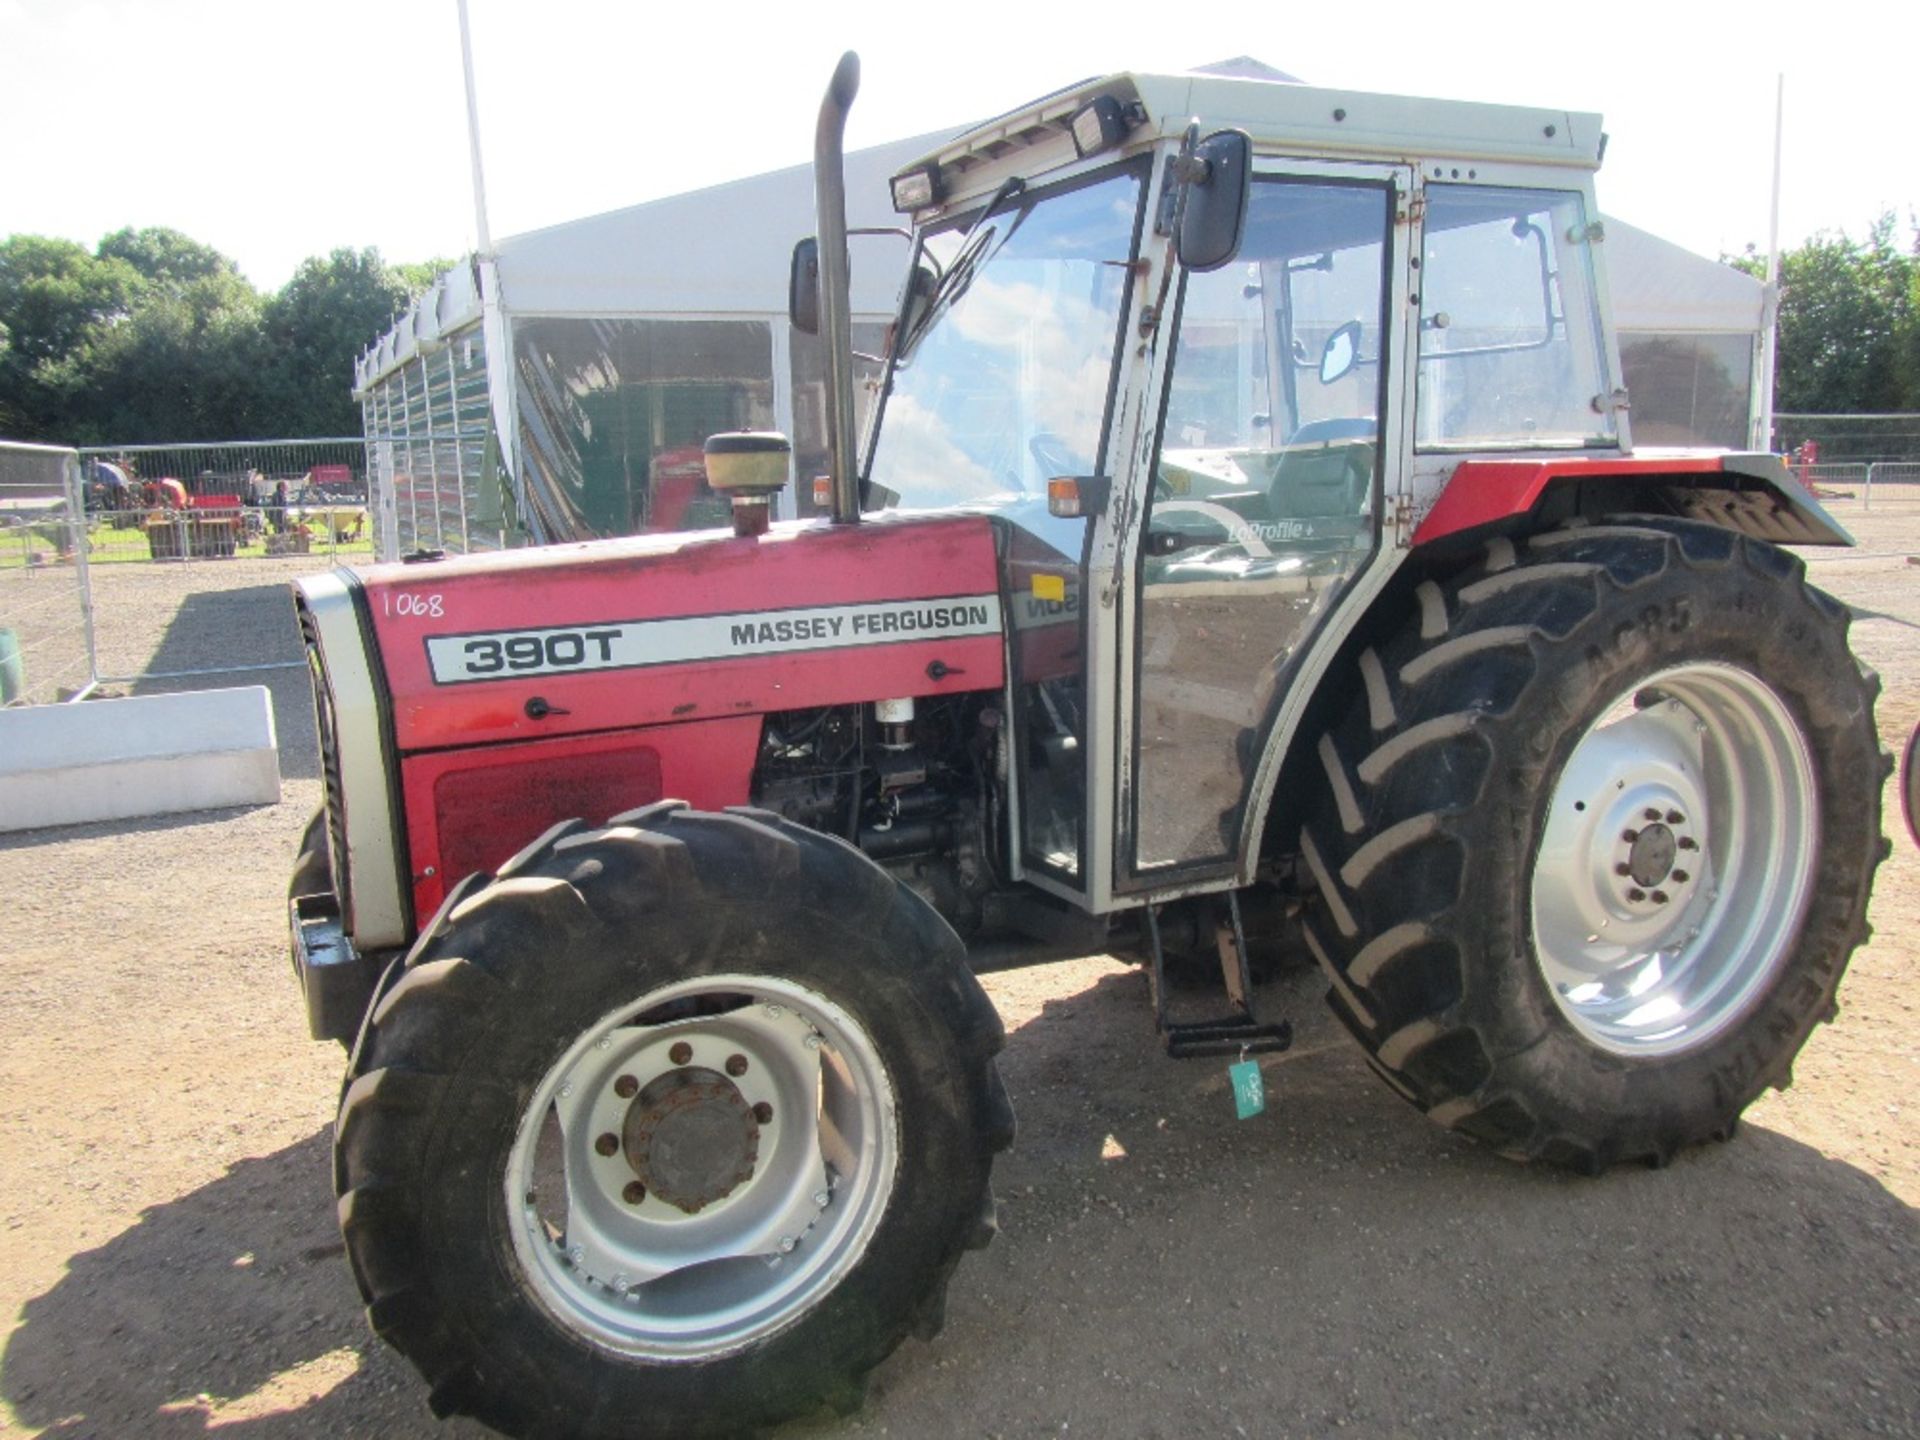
{"x": 334, "y": 797}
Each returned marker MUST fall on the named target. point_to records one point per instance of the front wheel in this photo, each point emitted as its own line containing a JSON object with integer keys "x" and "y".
{"x": 676, "y": 1127}
{"x": 1597, "y": 838}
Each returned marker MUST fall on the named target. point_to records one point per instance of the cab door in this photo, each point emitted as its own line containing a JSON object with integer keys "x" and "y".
{"x": 1279, "y": 440}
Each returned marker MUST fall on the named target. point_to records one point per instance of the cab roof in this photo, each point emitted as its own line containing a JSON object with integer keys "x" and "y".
{"x": 1290, "y": 119}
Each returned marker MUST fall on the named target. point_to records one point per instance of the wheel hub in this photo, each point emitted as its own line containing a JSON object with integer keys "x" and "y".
{"x": 691, "y": 1138}
{"x": 1650, "y": 860}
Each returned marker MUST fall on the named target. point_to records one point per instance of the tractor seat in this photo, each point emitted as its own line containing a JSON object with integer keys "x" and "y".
{"x": 1325, "y": 471}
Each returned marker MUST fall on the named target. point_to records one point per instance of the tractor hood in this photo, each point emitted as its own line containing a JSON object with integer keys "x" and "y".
{"x": 610, "y": 634}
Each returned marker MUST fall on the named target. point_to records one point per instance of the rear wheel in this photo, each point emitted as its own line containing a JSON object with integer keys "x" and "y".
{"x": 674, "y": 1127}
{"x": 1597, "y": 839}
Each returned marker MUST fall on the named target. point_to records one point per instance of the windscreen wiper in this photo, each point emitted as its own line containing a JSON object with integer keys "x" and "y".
{"x": 965, "y": 261}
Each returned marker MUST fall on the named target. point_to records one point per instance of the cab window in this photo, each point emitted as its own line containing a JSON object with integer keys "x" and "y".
{"x": 1510, "y": 341}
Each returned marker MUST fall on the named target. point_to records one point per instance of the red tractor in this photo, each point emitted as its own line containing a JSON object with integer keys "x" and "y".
{"x": 1247, "y": 537}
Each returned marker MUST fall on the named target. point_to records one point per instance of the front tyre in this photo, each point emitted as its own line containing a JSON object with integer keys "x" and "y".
{"x": 673, "y": 1127}
{"x": 1597, "y": 838}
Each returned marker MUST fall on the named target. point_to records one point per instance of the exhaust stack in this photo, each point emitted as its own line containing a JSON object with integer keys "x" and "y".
{"x": 836, "y": 285}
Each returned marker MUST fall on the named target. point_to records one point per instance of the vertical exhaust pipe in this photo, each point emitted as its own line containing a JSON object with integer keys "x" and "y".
{"x": 836, "y": 283}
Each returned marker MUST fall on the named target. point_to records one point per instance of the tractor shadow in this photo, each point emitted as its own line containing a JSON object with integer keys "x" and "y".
{"x": 231, "y": 1308}
{"x": 1162, "y": 1269}
{"x": 1338, "y": 1261}
{"x": 254, "y": 625}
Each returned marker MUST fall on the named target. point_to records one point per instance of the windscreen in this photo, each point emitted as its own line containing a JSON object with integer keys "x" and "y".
{"x": 1003, "y": 370}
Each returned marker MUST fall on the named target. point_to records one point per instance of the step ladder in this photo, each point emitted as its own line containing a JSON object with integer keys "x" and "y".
{"x": 1239, "y": 1031}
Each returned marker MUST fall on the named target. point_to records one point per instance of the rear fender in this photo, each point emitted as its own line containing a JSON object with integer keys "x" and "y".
{"x": 1755, "y": 495}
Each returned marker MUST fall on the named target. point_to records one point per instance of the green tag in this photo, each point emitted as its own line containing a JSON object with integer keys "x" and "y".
{"x": 1249, "y": 1090}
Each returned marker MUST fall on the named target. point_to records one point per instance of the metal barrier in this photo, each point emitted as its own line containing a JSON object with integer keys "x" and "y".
{"x": 46, "y": 617}
{"x": 1886, "y": 481}
{"x": 1899, "y": 480}
{"x": 245, "y": 499}
{"x": 1833, "y": 482}
{"x": 179, "y": 536}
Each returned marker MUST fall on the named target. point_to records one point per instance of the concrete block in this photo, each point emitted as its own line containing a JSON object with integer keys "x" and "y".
{"x": 145, "y": 755}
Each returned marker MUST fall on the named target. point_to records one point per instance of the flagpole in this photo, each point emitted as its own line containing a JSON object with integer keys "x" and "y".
{"x": 1770, "y": 337}
{"x": 473, "y": 135}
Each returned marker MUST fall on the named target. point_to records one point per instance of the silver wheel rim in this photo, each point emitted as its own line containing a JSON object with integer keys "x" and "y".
{"x": 700, "y": 1273}
{"x": 1677, "y": 860}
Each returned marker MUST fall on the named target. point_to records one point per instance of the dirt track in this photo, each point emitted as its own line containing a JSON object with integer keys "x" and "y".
{"x": 167, "y": 1237}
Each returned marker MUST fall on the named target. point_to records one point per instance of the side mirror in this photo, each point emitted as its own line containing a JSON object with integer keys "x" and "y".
{"x": 803, "y": 287}
{"x": 1342, "y": 352}
{"x": 1216, "y": 177}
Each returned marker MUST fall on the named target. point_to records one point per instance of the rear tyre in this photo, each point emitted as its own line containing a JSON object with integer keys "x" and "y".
{"x": 1597, "y": 838}
{"x": 675, "y": 1127}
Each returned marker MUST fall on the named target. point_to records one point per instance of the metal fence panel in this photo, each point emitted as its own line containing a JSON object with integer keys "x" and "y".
{"x": 46, "y": 634}
{"x": 1862, "y": 439}
{"x": 263, "y": 511}
{"x": 234, "y": 500}
{"x": 1892, "y": 482}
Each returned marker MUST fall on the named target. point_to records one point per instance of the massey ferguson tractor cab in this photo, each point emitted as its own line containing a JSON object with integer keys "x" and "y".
{"x": 1247, "y": 540}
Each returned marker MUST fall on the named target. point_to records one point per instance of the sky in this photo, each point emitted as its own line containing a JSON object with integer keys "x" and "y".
{"x": 274, "y": 130}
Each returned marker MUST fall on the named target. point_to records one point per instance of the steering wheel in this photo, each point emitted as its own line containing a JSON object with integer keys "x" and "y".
{"x": 1053, "y": 455}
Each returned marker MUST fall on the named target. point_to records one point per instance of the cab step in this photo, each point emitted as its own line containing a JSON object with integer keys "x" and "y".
{"x": 1239, "y": 1031}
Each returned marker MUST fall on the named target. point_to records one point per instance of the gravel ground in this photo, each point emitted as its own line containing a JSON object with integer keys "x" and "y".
{"x": 168, "y": 1250}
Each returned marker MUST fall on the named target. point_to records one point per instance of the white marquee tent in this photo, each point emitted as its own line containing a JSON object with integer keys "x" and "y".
{"x": 610, "y": 347}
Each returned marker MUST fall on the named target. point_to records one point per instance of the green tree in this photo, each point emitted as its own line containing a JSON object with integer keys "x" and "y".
{"x": 188, "y": 364}
{"x": 1847, "y": 313}
{"x": 166, "y": 258}
{"x": 154, "y": 336}
{"x": 419, "y": 277}
{"x": 316, "y": 327}
{"x": 1907, "y": 336}
{"x": 56, "y": 302}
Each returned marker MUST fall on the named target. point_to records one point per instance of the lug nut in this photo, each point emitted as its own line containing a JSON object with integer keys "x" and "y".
{"x": 1659, "y": 897}
{"x": 1623, "y": 869}
{"x": 681, "y": 1053}
{"x": 634, "y": 1193}
{"x": 1629, "y": 836}
{"x": 1636, "y": 895}
{"x": 763, "y": 1112}
{"x": 1651, "y": 813}
{"x": 1687, "y": 843}
{"x": 626, "y": 1087}
{"x": 736, "y": 1065}
{"x": 1674, "y": 817}
{"x": 1680, "y": 877}
{"x": 607, "y": 1143}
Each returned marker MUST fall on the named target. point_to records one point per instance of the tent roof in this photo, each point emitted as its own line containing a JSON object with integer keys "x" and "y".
{"x": 1657, "y": 285}
{"x": 725, "y": 250}
{"x": 722, "y": 250}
